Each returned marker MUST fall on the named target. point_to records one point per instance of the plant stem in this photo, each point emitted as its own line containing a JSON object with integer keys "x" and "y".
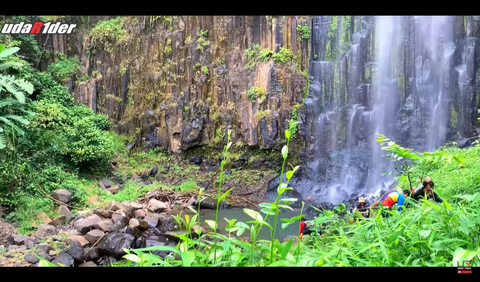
{"x": 277, "y": 200}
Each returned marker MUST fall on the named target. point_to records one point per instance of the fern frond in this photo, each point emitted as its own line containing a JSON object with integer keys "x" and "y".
{"x": 11, "y": 86}
{"x": 17, "y": 118}
{"x": 8, "y": 102}
{"x": 9, "y": 65}
{"x": 9, "y": 51}
{"x": 3, "y": 141}
{"x": 12, "y": 125}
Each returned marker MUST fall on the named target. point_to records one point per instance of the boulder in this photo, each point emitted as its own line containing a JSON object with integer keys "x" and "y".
{"x": 87, "y": 224}
{"x": 43, "y": 218}
{"x": 44, "y": 255}
{"x": 104, "y": 225}
{"x": 91, "y": 254}
{"x": 139, "y": 214}
{"x": 118, "y": 215}
{"x": 114, "y": 206}
{"x": 77, "y": 238}
{"x": 45, "y": 230}
{"x": 6, "y": 233}
{"x": 150, "y": 221}
{"x": 94, "y": 235}
{"x": 76, "y": 251}
{"x": 63, "y": 210}
{"x": 106, "y": 183}
{"x": 59, "y": 221}
{"x": 156, "y": 206}
{"x": 113, "y": 189}
{"x": 133, "y": 223}
{"x": 45, "y": 247}
{"x": 114, "y": 243}
{"x": 31, "y": 258}
{"x": 63, "y": 196}
{"x": 64, "y": 259}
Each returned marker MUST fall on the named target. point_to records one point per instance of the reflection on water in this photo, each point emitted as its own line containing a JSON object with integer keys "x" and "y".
{"x": 239, "y": 215}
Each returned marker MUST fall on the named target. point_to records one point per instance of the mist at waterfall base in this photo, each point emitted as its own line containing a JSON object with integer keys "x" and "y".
{"x": 343, "y": 172}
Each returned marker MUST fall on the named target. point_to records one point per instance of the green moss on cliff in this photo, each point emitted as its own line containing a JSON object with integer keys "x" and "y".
{"x": 108, "y": 34}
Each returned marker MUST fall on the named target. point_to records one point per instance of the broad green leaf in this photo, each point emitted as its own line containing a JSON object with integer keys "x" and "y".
{"x": 266, "y": 205}
{"x": 9, "y": 51}
{"x": 192, "y": 210}
{"x": 2, "y": 47}
{"x": 187, "y": 258}
{"x": 287, "y": 134}
{"x": 216, "y": 254}
{"x": 425, "y": 233}
{"x": 212, "y": 224}
{"x": 289, "y": 174}
{"x": 253, "y": 214}
{"x": 267, "y": 211}
{"x": 133, "y": 258}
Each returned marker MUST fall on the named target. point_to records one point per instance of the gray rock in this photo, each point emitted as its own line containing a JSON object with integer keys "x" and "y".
{"x": 76, "y": 251}
{"x": 57, "y": 238}
{"x": 118, "y": 216}
{"x": 31, "y": 258}
{"x": 64, "y": 259}
{"x": 91, "y": 254}
{"x": 104, "y": 225}
{"x": 133, "y": 223}
{"x": 114, "y": 243}
{"x": 19, "y": 239}
{"x": 45, "y": 230}
{"x": 62, "y": 195}
{"x": 88, "y": 264}
{"x": 106, "y": 183}
{"x": 44, "y": 255}
{"x": 151, "y": 221}
{"x": 45, "y": 247}
{"x": 156, "y": 205}
{"x": 59, "y": 221}
{"x": 94, "y": 235}
{"x": 63, "y": 210}
{"x": 87, "y": 224}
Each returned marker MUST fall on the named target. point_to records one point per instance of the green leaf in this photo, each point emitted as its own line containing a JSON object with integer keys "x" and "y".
{"x": 2, "y": 47}
{"x": 261, "y": 223}
{"x": 286, "y": 249}
{"x": 253, "y": 214}
{"x": 289, "y": 175}
{"x": 8, "y": 52}
{"x": 187, "y": 258}
{"x": 157, "y": 248}
{"x": 225, "y": 194}
{"x": 287, "y": 134}
{"x": 132, "y": 257}
{"x": 288, "y": 200}
{"x": 267, "y": 211}
{"x": 212, "y": 224}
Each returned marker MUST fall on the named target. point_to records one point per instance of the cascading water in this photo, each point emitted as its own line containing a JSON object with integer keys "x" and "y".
{"x": 397, "y": 79}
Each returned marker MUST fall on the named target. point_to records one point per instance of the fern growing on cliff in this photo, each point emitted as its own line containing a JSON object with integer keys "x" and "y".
{"x": 12, "y": 98}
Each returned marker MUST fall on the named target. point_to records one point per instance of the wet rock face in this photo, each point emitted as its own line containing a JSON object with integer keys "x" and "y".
{"x": 189, "y": 102}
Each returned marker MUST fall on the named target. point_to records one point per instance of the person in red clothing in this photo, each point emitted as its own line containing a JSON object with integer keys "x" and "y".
{"x": 304, "y": 229}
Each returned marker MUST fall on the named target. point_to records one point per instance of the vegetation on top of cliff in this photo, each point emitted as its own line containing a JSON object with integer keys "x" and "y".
{"x": 108, "y": 34}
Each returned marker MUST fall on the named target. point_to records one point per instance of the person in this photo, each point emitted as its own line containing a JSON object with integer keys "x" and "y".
{"x": 394, "y": 197}
{"x": 426, "y": 188}
{"x": 362, "y": 208}
{"x": 304, "y": 229}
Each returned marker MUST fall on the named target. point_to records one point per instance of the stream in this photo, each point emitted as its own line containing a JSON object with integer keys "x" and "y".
{"x": 240, "y": 215}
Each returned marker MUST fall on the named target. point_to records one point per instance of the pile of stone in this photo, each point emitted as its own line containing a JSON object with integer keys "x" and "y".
{"x": 95, "y": 237}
